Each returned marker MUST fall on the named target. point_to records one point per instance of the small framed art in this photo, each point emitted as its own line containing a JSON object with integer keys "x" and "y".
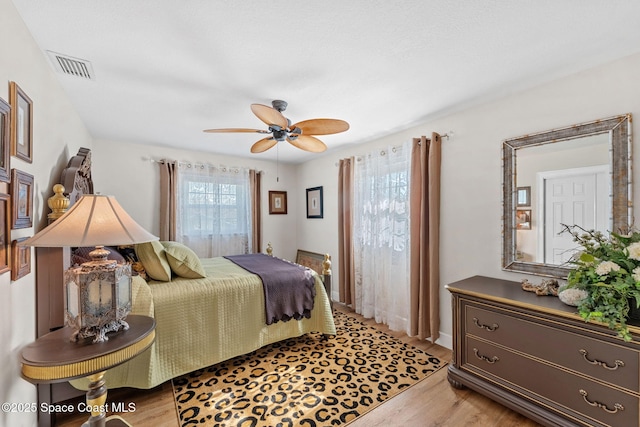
{"x": 277, "y": 202}
{"x": 5, "y": 134}
{"x": 5, "y": 232}
{"x": 20, "y": 259}
{"x": 21, "y": 123}
{"x": 524, "y": 196}
{"x": 21, "y": 199}
{"x": 523, "y": 219}
{"x": 314, "y": 202}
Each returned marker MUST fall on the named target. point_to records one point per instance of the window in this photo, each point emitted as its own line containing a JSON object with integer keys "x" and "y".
{"x": 213, "y": 207}
{"x": 214, "y": 210}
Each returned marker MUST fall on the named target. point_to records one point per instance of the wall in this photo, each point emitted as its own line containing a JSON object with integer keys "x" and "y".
{"x": 126, "y": 171}
{"x": 58, "y": 133}
{"x": 471, "y": 199}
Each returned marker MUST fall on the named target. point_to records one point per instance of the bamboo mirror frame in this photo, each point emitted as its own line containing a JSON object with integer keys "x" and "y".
{"x": 621, "y": 216}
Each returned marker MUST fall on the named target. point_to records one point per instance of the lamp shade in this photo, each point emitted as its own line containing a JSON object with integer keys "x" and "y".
{"x": 92, "y": 221}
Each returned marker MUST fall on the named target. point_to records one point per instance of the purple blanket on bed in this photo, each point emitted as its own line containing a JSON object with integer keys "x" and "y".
{"x": 289, "y": 289}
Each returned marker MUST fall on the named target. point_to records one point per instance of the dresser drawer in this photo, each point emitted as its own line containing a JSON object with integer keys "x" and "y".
{"x": 585, "y": 401}
{"x": 606, "y": 361}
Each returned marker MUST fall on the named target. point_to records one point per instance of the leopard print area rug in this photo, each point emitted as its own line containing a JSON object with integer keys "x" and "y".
{"x": 306, "y": 381}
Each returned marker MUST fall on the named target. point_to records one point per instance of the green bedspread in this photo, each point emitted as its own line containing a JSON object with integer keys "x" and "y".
{"x": 201, "y": 322}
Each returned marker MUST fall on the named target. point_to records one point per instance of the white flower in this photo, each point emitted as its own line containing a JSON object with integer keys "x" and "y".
{"x": 633, "y": 251}
{"x": 636, "y": 274}
{"x": 605, "y": 267}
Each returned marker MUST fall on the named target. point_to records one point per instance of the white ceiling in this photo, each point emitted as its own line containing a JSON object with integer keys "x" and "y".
{"x": 167, "y": 69}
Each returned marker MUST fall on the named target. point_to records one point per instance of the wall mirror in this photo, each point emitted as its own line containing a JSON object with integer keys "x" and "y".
{"x": 577, "y": 175}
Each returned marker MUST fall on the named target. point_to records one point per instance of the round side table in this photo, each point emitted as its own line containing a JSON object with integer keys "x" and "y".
{"x": 54, "y": 358}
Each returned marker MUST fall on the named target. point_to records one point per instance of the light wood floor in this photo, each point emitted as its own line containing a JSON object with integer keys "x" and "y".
{"x": 430, "y": 403}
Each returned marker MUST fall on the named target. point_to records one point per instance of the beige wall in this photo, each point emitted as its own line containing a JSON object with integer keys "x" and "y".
{"x": 471, "y": 167}
{"x": 58, "y": 133}
{"x": 126, "y": 171}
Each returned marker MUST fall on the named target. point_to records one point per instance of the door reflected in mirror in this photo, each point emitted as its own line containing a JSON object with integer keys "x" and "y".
{"x": 569, "y": 184}
{"x": 579, "y": 175}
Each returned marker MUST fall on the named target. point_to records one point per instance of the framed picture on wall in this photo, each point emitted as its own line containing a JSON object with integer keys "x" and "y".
{"x": 5, "y": 232}
{"x": 523, "y": 219}
{"x": 277, "y": 202}
{"x": 21, "y": 123}
{"x": 20, "y": 260}
{"x": 524, "y": 196}
{"x": 21, "y": 199}
{"x": 5, "y": 134}
{"x": 314, "y": 202}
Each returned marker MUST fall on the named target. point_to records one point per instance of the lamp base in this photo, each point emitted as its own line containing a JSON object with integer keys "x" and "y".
{"x": 99, "y": 332}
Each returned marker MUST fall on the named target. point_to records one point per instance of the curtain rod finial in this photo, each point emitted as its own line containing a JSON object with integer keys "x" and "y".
{"x": 447, "y": 135}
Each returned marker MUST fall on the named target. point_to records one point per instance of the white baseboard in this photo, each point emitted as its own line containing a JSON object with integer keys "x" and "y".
{"x": 445, "y": 340}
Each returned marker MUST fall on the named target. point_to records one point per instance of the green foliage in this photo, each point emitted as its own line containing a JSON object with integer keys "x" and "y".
{"x": 608, "y": 268}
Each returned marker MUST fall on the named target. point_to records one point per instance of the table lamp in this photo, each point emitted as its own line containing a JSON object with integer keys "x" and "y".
{"x": 97, "y": 293}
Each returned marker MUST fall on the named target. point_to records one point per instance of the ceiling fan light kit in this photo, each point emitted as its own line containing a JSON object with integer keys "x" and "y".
{"x": 299, "y": 135}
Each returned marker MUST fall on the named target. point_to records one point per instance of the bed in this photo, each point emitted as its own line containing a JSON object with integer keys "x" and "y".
{"x": 199, "y": 321}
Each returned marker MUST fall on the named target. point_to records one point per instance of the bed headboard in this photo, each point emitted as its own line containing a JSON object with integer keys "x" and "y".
{"x": 52, "y": 262}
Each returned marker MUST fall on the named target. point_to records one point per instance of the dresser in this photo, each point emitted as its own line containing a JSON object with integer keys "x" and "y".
{"x": 535, "y": 355}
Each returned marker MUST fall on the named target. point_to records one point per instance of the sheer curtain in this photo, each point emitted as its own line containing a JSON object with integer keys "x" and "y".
{"x": 213, "y": 210}
{"x": 381, "y": 236}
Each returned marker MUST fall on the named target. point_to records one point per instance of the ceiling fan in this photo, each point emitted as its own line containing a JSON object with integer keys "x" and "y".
{"x": 299, "y": 134}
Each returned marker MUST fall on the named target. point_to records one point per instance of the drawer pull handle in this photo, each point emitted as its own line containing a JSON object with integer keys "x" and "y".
{"x": 618, "y": 363}
{"x": 487, "y": 327}
{"x": 491, "y": 360}
{"x": 616, "y": 406}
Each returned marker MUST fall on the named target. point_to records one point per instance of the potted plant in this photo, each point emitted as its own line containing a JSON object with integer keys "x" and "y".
{"x": 608, "y": 269}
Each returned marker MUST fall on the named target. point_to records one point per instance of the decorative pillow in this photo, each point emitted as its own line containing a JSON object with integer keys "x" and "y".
{"x": 154, "y": 260}
{"x": 183, "y": 261}
{"x": 81, "y": 255}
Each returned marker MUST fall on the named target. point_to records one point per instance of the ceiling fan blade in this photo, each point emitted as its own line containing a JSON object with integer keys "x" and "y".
{"x": 308, "y": 143}
{"x": 269, "y": 115}
{"x": 321, "y": 126}
{"x": 235, "y": 130}
{"x": 263, "y": 145}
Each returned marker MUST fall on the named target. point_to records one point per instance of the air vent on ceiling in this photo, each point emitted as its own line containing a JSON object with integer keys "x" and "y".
{"x": 71, "y": 66}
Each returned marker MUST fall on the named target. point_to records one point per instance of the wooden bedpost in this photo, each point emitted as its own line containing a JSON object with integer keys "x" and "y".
{"x": 326, "y": 276}
{"x": 58, "y": 203}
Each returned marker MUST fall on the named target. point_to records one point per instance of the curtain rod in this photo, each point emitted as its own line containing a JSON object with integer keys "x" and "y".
{"x": 193, "y": 164}
{"x": 383, "y": 152}
{"x": 202, "y": 165}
